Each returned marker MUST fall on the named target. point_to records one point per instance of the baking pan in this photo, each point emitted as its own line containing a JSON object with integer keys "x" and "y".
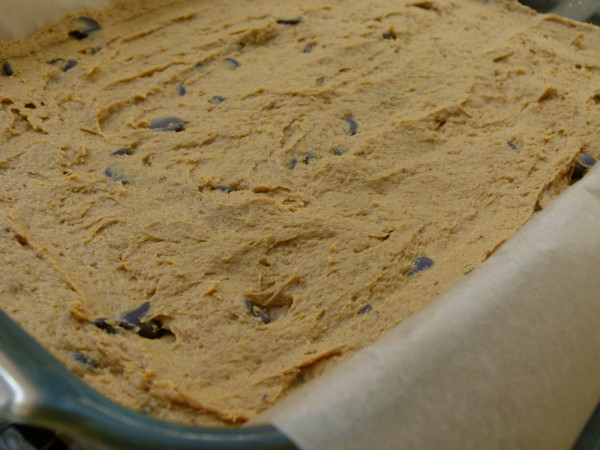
{"x": 36, "y": 389}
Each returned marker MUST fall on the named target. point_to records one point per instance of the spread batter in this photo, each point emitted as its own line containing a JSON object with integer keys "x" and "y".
{"x": 205, "y": 204}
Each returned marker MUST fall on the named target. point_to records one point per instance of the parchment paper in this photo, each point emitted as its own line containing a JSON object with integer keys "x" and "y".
{"x": 507, "y": 359}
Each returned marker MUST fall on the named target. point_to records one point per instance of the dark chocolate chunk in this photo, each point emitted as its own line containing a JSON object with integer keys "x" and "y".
{"x": 233, "y": 62}
{"x": 69, "y": 64}
{"x": 181, "y": 89}
{"x": 352, "y": 126}
{"x": 583, "y": 162}
{"x": 200, "y": 64}
{"x": 249, "y": 305}
{"x": 82, "y": 27}
{"x": 7, "y": 69}
{"x": 421, "y": 263}
{"x": 511, "y": 145}
{"x": 224, "y": 189}
{"x": 110, "y": 173}
{"x": 308, "y": 158}
{"x": 339, "y": 151}
{"x": 388, "y": 35}
{"x": 264, "y": 316}
{"x": 135, "y": 316}
{"x": 122, "y": 151}
{"x": 126, "y": 326}
{"x": 63, "y": 64}
{"x": 153, "y": 330}
{"x": 289, "y": 21}
{"x": 104, "y": 326}
{"x": 308, "y": 48}
{"x": 257, "y": 311}
{"x": 293, "y": 163}
{"x": 167, "y": 123}
{"x": 84, "y": 359}
{"x": 365, "y": 309}
{"x": 147, "y": 331}
{"x": 217, "y": 99}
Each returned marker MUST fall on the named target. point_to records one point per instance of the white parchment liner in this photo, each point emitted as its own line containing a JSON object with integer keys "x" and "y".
{"x": 509, "y": 358}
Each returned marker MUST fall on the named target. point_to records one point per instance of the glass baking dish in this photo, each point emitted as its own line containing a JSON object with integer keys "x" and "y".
{"x": 36, "y": 389}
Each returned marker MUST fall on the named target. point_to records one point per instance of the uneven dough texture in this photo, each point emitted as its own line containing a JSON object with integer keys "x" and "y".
{"x": 469, "y": 116}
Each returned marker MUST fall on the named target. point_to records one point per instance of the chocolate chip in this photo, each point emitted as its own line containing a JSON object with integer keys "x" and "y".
{"x": 249, "y": 305}
{"x": 511, "y": 145}
{"x": 63, "y": 64}
{"x": 226, "y": 189}
{"x": 84, "y": 359}
{"x": 69, "y": 64}
{"x": 339, "y": 151}
{"x": 147, "y": 331}
{"x": 126, "y": 326}
{"x": 122, "y": 151}
{"x": 7, "y": 69}
{"x": 365, "y": 309}
{"x": 233, "y": 62}
{"x": 388, "y": 35}
{"x": 257, "y": 311}
{"x": 289, "y": 21}
{"x": 421, "y": 263}
{"x": 134, "y": 321}
{"x": 181, "y": 89}
{"x": 264, "y": 316}
{"x": 308, "y": 48}
{"x": 153, "y": 330}
{"x": 167, "y": 123}
{"x": 352, "y": 126}
{"x": 293, "y": 163}
{"x": 104, "y": 326}
{"x": 308, "y": 158}
{"x": 135, "y": 316}
{"x": 215, "y": 100}
{"x": 110, "y": 173}
{"x": 200, "y": 64}
{"x": 82, "y": 27}
{"x": 583, "y": 162}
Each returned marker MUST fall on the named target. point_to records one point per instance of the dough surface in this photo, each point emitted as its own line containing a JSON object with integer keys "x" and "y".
{"x": 206, "y": 204}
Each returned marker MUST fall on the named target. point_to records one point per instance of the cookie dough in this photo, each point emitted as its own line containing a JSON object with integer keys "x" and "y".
{"x": 206, "y": 204}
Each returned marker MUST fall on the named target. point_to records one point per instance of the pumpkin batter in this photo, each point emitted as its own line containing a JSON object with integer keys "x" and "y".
{"x": 206, "y": 203}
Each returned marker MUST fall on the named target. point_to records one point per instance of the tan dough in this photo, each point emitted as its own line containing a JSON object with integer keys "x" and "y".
{"x": 269, "y": 238}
